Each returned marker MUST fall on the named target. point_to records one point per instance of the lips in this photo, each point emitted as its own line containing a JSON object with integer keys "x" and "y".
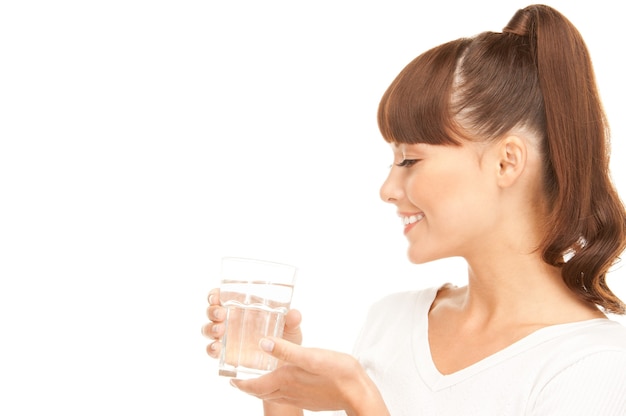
{"x": 409, "y": 220}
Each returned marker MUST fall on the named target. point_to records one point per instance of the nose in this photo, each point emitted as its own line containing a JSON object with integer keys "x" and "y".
{"x": 390, "y": 191}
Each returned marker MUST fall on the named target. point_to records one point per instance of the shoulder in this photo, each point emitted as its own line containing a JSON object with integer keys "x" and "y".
{"x": 405, "y": 300}
{"x": 590, "y": 382}
{"x": 393, "y": 320}
{"x": 581, "y": 358}
{"x": 595, "y": 335}
{"x": 399, "y": 309}
{"x": 611, "y": 332}
{"x": 561, "y": 346}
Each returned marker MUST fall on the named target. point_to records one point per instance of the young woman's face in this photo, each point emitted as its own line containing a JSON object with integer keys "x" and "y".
{"x": 445, "y": 197}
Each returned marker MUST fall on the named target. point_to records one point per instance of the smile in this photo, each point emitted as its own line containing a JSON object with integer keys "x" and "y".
{"x": 412, "y": 219}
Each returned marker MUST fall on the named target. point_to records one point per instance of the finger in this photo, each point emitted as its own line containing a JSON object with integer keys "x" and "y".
{"x": 214, "y": 349}
{"x": 252, "y": 388}
{"x": 261, "y": 387}
{"x": 305, "y": 358}
{"x": 216, "y": 313}
{"x": 293, "y": 319}
{"x": 214, "y": 297}
{"x": 273, "y": 386}
{"x": 292, "y": 331}
{"x": 213, "y": 330}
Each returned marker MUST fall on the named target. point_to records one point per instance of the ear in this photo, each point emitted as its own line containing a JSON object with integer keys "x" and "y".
{"x": 512, "y": 159}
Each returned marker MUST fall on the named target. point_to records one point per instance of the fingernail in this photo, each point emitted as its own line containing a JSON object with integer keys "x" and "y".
{"x": 219, "y": 314}
{"x": 232, "y": 383}
{"x": 211, "y": 297}
{"x": 215, "y": 329}
{"x": 266, "y": 345}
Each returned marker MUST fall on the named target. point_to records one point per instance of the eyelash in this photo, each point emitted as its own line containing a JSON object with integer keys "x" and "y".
{"x": 407, "y": 163}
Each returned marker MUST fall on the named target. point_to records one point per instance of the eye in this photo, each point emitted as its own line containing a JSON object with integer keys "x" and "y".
{"x": 407, "y": 163}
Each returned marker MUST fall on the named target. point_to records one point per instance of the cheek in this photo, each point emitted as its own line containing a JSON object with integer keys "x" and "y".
{"x": 437, "y": 190}
{"x": 450, "y": 198}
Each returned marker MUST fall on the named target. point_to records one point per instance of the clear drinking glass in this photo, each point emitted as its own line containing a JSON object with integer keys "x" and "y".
{"x": 257, "y": 295}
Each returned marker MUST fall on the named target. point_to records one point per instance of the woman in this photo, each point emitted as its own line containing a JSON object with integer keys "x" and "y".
{"x": 500, "y": 152}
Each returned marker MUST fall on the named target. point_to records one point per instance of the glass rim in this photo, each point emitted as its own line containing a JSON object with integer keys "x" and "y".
{"x": 257, "y": 261}
{"x": 269, "y": 271}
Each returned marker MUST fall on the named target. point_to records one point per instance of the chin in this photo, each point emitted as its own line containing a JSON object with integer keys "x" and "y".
{"x": 417, "y": 256}
{"x": 420, "y": 258}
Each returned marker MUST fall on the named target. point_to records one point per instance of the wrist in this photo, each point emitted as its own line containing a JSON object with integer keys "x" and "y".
{"x": 274, "y": 409}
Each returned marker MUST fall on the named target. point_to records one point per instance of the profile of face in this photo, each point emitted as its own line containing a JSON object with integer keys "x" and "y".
{"x": 464, "y": 200}
{"x": 445, "y": 197}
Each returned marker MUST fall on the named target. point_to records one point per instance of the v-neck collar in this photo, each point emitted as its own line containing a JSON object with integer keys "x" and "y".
{"x": 435, "y": 380}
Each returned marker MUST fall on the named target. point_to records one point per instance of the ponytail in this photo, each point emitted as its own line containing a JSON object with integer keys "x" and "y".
{"x": 587, "y": 221}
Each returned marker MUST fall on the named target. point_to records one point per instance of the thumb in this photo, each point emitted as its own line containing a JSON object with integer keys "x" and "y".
{"x": 288, "y": 352}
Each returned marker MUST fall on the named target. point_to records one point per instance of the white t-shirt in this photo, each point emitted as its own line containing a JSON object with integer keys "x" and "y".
{"x": 569, "y": 369}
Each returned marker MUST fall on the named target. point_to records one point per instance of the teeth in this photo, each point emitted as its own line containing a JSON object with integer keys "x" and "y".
{"x": 412, "y": 219}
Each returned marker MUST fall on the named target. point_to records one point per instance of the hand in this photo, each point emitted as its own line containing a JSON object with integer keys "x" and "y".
{"x": 315, "y": 379}
{"x": 214, "y": 330}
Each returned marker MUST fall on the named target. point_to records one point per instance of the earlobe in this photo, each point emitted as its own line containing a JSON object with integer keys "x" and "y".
{"x": 512, "y": 160}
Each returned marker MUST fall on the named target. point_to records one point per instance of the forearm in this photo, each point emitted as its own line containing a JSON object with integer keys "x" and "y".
{"x": 369, "y": 401}
{"x": 273, "y": 409}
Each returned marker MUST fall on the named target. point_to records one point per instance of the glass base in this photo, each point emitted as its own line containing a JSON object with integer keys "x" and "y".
{"x": 242, "y": 373}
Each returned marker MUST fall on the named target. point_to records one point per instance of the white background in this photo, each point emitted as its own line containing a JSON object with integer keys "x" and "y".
{"x": 143, "y": 140}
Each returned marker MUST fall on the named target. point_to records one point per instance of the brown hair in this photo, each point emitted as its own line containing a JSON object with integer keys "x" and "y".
{"x": 536, "y": 74}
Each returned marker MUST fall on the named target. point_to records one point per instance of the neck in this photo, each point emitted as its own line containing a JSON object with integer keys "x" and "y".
{"x": 521, "y": 288}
